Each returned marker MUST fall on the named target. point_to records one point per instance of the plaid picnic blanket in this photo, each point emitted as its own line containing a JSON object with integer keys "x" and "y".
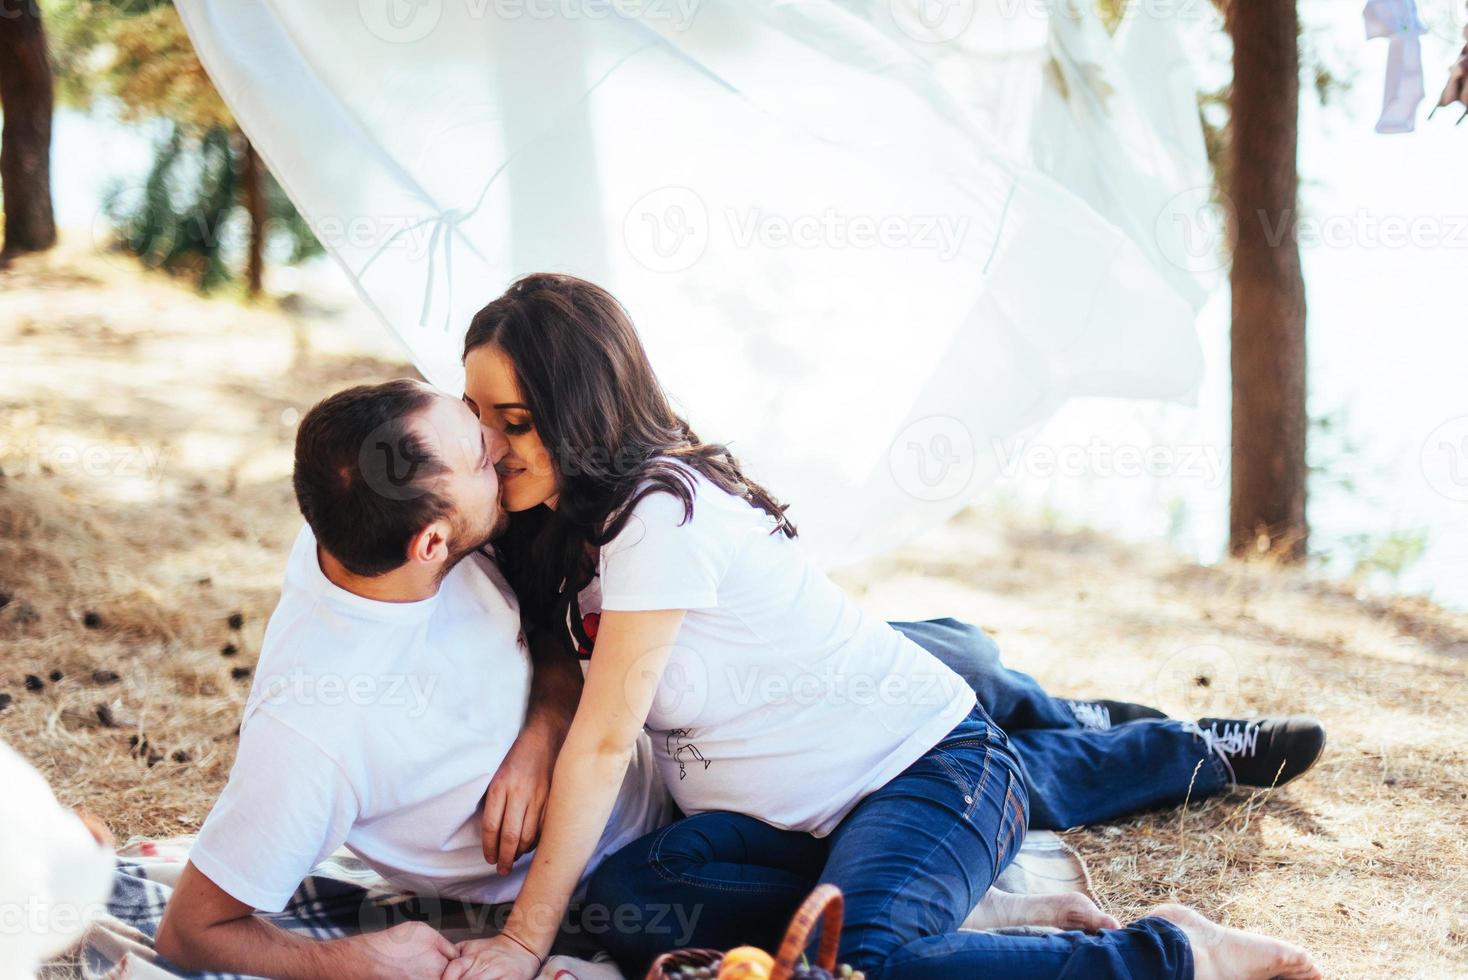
{"x": 343, "y": 897}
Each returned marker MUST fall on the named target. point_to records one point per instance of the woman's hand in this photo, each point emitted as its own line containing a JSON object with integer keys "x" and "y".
{"x": 514, "y": 804}
{"x": 496, "y": 958}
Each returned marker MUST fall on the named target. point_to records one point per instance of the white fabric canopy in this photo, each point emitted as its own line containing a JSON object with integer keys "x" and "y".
{"x": 826, "y": 227}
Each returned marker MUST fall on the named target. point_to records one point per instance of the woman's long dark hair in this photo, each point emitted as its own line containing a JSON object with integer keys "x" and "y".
{"x": 607, "y": 424}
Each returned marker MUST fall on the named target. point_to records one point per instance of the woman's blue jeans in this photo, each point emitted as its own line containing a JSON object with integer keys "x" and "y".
{"x": 912, "y": 859}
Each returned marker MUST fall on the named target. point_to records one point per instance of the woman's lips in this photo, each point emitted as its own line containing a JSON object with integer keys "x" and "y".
{"x": 510, "y": 474}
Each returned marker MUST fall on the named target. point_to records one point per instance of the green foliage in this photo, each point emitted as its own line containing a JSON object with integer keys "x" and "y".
{"x": 177, "y": 223}
{"x": 1390, "y": 554}
{"x": 137, "y": 55}
{"x": 79, "y": 35}
{"x": 185, "y": 219}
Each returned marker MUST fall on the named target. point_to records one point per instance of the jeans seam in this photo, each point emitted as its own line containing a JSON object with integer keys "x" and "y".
{"x": 1016, "y": 815}
{"x": 900, "y": 887}
{"x": 660, "y": 868}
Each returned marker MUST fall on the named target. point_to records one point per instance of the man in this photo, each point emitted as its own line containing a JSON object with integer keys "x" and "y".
{"x": 393, "y": 685}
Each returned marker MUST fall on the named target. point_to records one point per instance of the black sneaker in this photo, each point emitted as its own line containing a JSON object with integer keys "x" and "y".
{"x": 1102, "y": 715}
{"x": 1265, "y": 751}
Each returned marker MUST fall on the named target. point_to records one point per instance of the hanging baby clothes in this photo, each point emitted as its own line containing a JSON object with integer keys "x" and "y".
{"x": 1456, "y": 90}
{"x": 1398, "y": 20}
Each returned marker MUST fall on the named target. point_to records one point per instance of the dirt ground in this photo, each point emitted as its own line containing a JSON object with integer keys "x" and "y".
{"x": 145, "y": 512}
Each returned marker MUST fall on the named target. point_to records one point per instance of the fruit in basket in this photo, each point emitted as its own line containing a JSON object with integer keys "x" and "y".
{"x": 746, "y": 963}
{"x": 808, "y": 971}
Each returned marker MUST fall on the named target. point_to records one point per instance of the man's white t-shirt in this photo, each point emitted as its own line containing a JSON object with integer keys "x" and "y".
{"x": 782, "y": 699}
{"x": 379, "y": 725}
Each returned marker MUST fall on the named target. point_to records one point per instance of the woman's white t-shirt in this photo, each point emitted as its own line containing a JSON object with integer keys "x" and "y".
{"x": 782, "y": 699}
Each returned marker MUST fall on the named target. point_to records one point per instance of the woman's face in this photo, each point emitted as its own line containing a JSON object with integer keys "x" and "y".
{"x": 527, "y": 473}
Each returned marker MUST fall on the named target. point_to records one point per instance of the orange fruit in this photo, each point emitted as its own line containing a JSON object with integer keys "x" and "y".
{"x": 746, "y": 963}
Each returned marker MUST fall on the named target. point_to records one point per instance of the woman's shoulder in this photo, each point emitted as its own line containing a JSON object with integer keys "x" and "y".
{"x": 679, "y": 495}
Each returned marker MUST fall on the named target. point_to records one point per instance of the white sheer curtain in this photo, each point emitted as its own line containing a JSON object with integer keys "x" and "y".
{"x": 829, "y": 220}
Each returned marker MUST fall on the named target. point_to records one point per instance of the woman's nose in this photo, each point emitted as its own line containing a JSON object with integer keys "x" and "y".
{"x": 498, "y": 445}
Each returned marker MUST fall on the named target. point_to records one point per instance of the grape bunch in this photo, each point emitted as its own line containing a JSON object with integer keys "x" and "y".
{"x": 693, "y": 973}
{"x": 805, "y": 971}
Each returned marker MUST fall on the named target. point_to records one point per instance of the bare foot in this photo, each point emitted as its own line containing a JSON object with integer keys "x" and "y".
{"x": 1067, "y": 910}
{"x": 1221, "y": 953}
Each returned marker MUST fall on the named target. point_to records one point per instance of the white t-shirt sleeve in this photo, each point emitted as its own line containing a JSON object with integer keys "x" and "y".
{"x": 661, "y": 561}
{"x": 287, "y": 806}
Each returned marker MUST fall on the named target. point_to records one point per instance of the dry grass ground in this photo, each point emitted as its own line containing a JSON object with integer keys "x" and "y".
{"x": 145, "y": 509}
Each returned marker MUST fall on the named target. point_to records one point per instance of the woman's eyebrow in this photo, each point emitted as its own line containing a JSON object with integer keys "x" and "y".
{"x": 513, "y": 405}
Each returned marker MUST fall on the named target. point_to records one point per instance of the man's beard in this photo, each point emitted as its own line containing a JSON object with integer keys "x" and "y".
{"x": 465, "y": 539}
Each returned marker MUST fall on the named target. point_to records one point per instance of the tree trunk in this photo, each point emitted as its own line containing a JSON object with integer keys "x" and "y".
{"x": 1267, "y": 504}
{"x": 252, "y": 181}
{"x": 25, "y": 144}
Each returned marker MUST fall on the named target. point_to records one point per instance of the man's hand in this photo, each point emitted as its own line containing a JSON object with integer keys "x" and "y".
{"x": 204, "y": 928}
{"x": 410, "y": 950}
{"x": 496, "y": 958}
{"x": 515, "y": 801}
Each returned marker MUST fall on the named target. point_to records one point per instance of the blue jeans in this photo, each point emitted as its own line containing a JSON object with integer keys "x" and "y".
{"x": 912, "y": 859}
{"x": 1075, "y": 775}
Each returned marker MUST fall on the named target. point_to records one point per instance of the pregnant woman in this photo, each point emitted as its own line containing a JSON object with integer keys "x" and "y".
{"x": 806, "y": 741}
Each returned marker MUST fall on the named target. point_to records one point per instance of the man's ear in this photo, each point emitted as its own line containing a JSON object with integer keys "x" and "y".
{"x": 430, "y": 545}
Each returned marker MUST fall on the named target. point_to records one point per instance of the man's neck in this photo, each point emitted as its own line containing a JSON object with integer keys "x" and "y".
{"x": 410, "y": 583}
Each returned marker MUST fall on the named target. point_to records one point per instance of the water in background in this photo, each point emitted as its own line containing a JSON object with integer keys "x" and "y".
{"x": 1384, "y": 233}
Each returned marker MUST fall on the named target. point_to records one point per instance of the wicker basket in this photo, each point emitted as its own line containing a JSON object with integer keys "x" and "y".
{"x": 823, "y": 906}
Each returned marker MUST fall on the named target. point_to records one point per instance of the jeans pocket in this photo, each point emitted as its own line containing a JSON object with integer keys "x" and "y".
{"x": 967, "y": 766}
{"x": 1013, "y": 824}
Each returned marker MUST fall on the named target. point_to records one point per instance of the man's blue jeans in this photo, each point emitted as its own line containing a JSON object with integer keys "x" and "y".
{"x": 1075, "y": 775}
{"x": 912, "y": 859}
